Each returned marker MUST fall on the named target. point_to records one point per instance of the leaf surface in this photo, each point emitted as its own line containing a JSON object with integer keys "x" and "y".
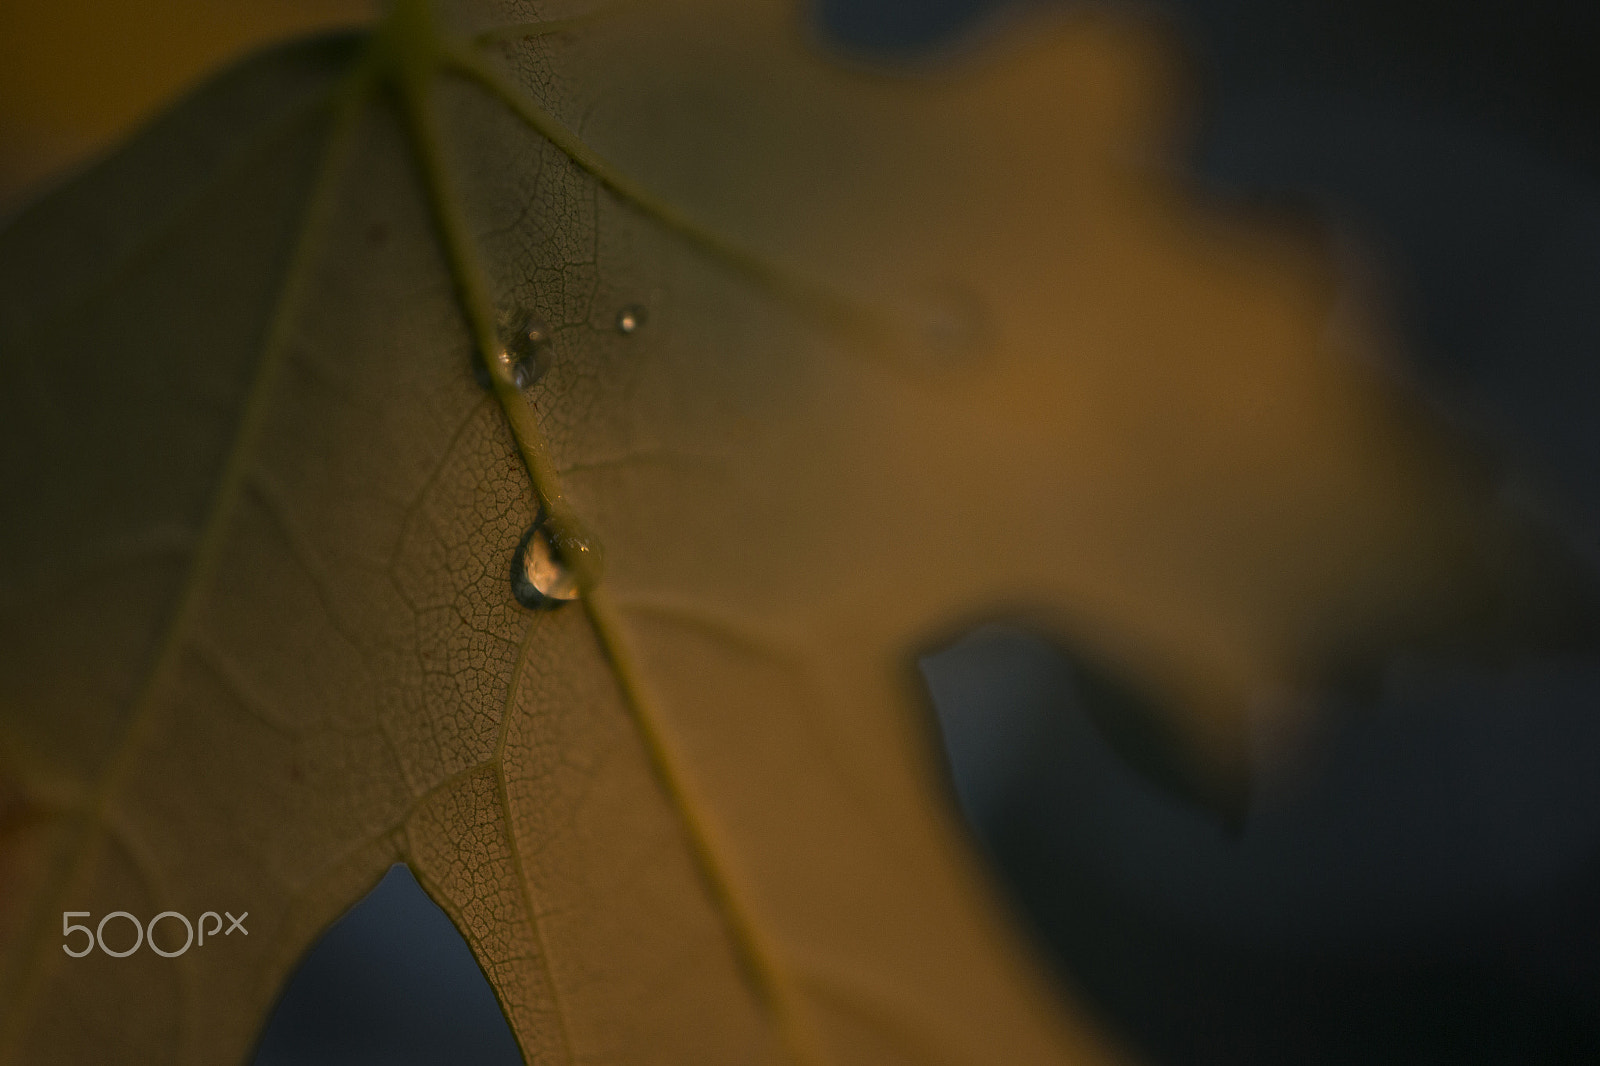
{"x": 907, "y": 351}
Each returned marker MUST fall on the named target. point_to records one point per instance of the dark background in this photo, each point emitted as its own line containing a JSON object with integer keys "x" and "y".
{"x": 1425, "y": 888}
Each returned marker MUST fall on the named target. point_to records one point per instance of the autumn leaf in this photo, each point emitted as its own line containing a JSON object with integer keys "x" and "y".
{"x": 793, "y": 370}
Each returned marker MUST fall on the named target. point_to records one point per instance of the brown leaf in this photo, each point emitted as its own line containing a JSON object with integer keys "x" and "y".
{"x": 905, "y": 351}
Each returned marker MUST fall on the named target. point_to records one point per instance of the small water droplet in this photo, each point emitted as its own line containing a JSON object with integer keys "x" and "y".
{"x": 525, "y": 349}
{"x": 630, "y": 318}
{"x": 554, "y": 563}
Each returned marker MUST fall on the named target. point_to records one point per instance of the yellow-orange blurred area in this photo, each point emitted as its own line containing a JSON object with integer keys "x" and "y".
{"x": 77, "y": 75}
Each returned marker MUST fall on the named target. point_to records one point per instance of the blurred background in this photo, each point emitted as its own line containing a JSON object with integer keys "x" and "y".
{"x": 76, "y": 76}
{"x": 1423, "y": 883}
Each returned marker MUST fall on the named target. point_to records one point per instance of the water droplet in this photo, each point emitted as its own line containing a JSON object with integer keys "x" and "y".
{"x": 554, "y": 563}
{"x": 630, "y": 318}
{"x": 525, "y": 350}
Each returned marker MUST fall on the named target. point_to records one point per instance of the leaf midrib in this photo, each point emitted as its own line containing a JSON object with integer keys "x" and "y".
{"x": 761, "y": 959}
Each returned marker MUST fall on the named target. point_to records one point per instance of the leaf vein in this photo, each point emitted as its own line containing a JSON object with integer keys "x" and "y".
{"x": 350, "y": 95}
{"x": 828, "y": 305}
